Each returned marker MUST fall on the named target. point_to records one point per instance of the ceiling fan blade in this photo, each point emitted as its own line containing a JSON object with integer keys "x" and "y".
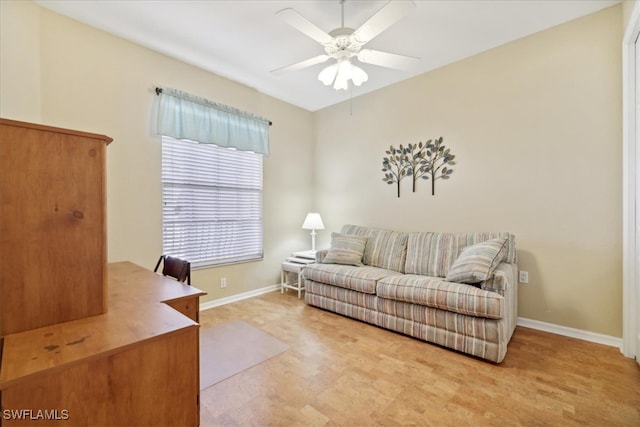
{"x": 385, "y": 59}
{"x": 391, "y": 13}
{"x": 302, "y": 24}
{"x": 300, "y": 65}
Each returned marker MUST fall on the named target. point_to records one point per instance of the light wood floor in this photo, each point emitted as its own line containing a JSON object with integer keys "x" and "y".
{"x": 342, "y": 372}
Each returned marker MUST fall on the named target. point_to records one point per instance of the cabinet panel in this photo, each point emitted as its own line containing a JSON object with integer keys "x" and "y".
{"x": 188, "y": 307}
{"x": 52, "y": 226}
{"x": 151, "y": 383}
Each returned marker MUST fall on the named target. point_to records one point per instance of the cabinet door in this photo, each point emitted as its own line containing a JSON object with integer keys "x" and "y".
{"x": 52, "y": 227}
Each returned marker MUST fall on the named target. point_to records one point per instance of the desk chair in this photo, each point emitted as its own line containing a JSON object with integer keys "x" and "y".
{"x": 175, "y": 267}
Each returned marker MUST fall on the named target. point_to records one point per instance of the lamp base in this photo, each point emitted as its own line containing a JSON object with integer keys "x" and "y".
{"x": 313, "y": 240}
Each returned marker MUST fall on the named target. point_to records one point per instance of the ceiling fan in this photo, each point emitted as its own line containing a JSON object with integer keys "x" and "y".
{"x": 343, "y": 44}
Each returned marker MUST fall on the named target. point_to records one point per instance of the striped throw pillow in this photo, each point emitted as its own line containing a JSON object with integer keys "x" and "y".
{"x": 345, "y": 249}
{"x": 476, "y": 262}
{"x": 386, "y": 249}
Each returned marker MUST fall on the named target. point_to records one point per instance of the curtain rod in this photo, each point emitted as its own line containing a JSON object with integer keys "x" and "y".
{"x": 159, "y": 91}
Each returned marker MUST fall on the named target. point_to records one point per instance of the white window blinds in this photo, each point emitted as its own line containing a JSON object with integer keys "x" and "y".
{"x": 211, "y": 203}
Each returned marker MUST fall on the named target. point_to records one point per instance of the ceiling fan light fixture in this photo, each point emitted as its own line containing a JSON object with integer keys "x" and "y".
{"x": 341, "y": 83}
{"x": 328, "y": 74}
{"x": 341, "y": 72}
{"x": 358, "y": 75}
{"x": 344, "y": 74}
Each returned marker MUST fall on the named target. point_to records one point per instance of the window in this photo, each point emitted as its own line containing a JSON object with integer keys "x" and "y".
{"x": 212, "y": 188}
{"x": 211, "y": 203}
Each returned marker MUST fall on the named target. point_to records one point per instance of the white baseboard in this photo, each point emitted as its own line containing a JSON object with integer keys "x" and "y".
{"x": 571, "y": 332}
{"x": 239, "y": 297}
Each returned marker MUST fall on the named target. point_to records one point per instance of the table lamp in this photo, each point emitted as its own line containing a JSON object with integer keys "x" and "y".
{"x": 313, "y": 222}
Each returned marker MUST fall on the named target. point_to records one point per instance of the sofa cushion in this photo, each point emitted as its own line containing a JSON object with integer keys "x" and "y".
{"x": 491, "y": 330}
{"x": 385, "y": 248}
{"x": 477, "y": 262}
{"x": 368, "y": 301}
{"x": 362, "y": 279}
{"x": 345, "y": 249}
{"x": 432, "y": 254}
{"x": 438, "y": 293}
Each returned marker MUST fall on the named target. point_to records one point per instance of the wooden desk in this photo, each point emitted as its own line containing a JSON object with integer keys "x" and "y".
{"x": 137, "y": 364}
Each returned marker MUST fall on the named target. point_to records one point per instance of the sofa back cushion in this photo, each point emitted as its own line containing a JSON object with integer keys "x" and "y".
{"x": 384, "y": 248}
{"x": 432, "y": 254}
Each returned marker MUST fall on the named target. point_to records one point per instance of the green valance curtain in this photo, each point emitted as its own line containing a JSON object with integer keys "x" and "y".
{"x": 185, "y": 116}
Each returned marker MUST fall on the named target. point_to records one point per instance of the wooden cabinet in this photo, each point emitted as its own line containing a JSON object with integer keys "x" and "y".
{"x": 70, "y": 355}
{"x": 52, "y": 225}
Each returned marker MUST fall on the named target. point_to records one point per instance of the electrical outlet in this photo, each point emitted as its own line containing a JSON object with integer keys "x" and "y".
{"x": 524, "y": 277}
{"x": 223, "y": 282}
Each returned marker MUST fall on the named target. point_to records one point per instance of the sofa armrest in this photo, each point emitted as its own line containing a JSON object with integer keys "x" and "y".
{"x": 505, "y": 283}
{"x": 504, "y": 276}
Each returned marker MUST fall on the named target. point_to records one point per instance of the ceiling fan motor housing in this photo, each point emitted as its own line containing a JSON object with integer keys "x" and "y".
{"x": 343, "y": 45}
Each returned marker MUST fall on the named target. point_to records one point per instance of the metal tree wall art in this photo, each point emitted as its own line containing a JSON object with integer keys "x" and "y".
{"x": 418, "y": 165}
{"x": 395, "y": 166}
{"x": 422, "y": 160}
{"x": 440, "y": 159}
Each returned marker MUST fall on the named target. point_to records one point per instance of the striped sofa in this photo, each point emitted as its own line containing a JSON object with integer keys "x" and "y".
{"x": 457, "y": 290}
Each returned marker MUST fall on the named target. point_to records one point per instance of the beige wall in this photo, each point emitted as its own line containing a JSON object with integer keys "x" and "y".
{"x": 78, "y": 77}
{"x": 627, "y": 8}
{"x": 536, "y": 129}
{"x": 20, "y": 61}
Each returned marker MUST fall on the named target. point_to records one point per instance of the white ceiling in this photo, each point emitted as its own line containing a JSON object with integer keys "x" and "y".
{"x": 243, "y": 40}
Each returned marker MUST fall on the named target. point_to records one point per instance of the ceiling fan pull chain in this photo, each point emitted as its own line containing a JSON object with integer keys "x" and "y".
{"x": 351, "y": 102}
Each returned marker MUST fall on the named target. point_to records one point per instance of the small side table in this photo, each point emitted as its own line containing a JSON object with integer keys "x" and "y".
{"x": 291, "y": 267}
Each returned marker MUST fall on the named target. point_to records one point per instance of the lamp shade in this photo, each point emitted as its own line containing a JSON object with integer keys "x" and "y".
{"x": 313, "y": 221}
